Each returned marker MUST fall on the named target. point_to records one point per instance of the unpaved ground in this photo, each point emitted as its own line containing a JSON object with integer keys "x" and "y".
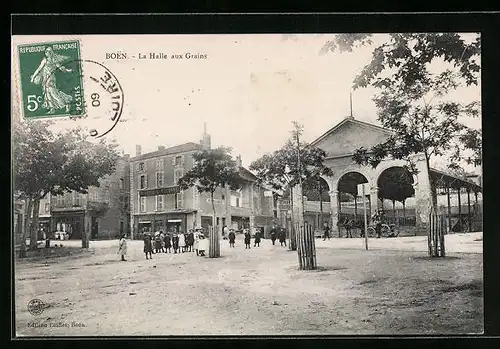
{"x": 253, "y": 292}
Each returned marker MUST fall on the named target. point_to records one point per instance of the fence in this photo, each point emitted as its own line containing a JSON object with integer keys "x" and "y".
{"x": 306, "y": 247}
{"x": 214, "y": 236}
{"x": 437, "y": 229}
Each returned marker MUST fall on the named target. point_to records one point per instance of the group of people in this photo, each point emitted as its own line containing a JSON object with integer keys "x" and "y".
{"x": 179, "y": 242}
{"x": 194, "y": 241}
{"x": 281, "y": 235}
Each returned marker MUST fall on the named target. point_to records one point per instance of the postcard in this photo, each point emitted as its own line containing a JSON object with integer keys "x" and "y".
{"x": 251, "y": 184}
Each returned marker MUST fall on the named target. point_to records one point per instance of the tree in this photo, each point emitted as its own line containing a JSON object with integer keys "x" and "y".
{"x": 412, "y": 99}
{"x": 213, "y": 168}
{"x": 47, "y": 162}
{"x": 280, "y": 169}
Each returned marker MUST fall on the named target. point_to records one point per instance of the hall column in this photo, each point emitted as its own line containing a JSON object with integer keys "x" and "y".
{"x": 334, "y": 212}
{"x": 423, "y": 199}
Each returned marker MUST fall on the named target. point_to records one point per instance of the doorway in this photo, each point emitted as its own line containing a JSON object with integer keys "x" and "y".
{"x": 94, "y": 230}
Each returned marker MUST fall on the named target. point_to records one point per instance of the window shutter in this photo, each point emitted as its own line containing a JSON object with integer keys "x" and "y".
{"x": 146, "y": 181}
{"x": 137, "y": 167}
{"x": 182, "y": 160}
{"x": 173, "y": 160}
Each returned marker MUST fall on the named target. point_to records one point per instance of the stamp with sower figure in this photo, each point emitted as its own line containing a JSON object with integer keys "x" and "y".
{"x": 55, "y": 81}
{"x": 51, "y": 82}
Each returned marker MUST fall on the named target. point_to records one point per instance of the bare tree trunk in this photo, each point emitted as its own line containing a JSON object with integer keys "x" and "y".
{"x": 34, "y": 223}
{"x": 320, "y": 189}
{"x": 293, "y": 234}
{"x": 214, "y": 248}
{"x": 436, "y": 241}
{"x": 26, "y": 228}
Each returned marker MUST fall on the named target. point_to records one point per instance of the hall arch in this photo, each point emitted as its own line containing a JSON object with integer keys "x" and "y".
{"x": 349, "y": 201}
{"x": 396, "y": 192}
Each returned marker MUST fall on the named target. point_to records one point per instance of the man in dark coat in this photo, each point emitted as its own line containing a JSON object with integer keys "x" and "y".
{"x": 190, "y": 240}
{"x": 231, "y": 237}
{"x": 326, "y": 231}
{"x": 168, "y": 243}
{"x": 256, "y": 241}
{"x": 148, "y": 246}
{"x": 282, "y": 236}
{"x": 273, "y": 234}
{"x": 248, "y": 236}
{"x": 175, "y": 243}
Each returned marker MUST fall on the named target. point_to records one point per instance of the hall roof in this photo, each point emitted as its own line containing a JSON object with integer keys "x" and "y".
{"x": 346, "y": 120}
{"x": 444, "y": 179}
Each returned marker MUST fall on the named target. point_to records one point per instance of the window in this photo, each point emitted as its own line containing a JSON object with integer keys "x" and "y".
{"x": 159, "y": 179}
{"x": 235, "y": 200}
{"x": 142, "y": 206}
{"x": 77, "y": 199}
{"x": 107, "y": 196}
{"x": 143, "y": 182}
{"x": 60, "y": 200}
{"x": 223, "y": 197}
{"x": 141, "y": 166}
{"x": 159, "y": 165}
{"x": 121, "y": 183}
{"x": 180, "y": 200}
{"x": 177, "y": 175}
{"x": 159, "y": 202}
{"x": 178, "y": 160}
{"x": 47, "y": 207}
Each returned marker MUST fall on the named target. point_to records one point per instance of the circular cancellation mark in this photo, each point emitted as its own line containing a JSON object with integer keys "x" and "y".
{"x": 102, "y": 98}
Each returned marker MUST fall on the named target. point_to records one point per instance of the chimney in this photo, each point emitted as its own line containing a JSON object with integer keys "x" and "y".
{"x": 137, "y": 150}
{"x": 161, "y": 147}
{"x": 205, "y": 140}
{"x": 126, "y": 156}
{"x": 238, "y": 161}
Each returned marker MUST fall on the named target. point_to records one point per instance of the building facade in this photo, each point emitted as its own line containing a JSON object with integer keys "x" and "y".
{"x": 158, "y": 204}
{"x": 341, "y": 142}
{"x": 103, "y": 212}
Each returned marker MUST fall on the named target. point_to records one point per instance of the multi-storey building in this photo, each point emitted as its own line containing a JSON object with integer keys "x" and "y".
{"x": 103, "y": 211}
{"x": 157, "y": 203}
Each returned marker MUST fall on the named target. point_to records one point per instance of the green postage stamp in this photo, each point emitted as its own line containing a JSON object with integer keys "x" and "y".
{"x": 51, "y": 79}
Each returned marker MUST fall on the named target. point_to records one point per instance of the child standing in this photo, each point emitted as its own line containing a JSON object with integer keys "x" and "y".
{"x": 148, "y": 246}
{"x": 122, "y": 247}
{"x": 247, "y": 238}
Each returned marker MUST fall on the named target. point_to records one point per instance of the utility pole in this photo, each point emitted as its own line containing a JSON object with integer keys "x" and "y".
{"x": 301, "y": 206}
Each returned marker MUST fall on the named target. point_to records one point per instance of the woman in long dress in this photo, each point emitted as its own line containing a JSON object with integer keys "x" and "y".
{"x": 203, "y": 245}
{"x": 44, "y": 75}
{"x": 182, "y": 242}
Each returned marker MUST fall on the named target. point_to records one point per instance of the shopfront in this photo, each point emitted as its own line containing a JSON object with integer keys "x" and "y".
{"x": 71, "y": 223}
{"x": 174, "y": 222}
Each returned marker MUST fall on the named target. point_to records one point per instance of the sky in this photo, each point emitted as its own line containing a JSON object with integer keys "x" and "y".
{"x": 247, "y": 90}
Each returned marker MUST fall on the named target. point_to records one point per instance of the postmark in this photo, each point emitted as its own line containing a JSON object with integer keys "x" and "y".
{"x": 57, "y": 83}
{"x": 36, "y": 306}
